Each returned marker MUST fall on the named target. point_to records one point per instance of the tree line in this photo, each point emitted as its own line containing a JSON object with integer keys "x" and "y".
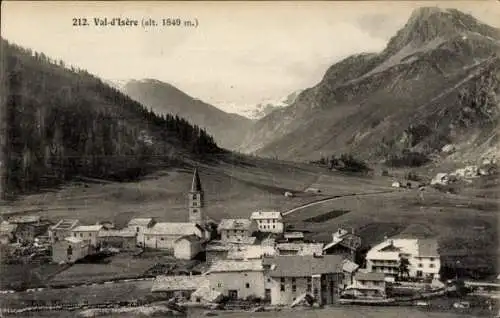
{"x": 62, "y": 122}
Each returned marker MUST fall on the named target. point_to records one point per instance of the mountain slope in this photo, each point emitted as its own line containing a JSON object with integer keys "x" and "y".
{"x": 227, "y": 129}
{"x": 266, "y": 107}
{"x": 64, "y": 122}
{"x": 414, "y": 95}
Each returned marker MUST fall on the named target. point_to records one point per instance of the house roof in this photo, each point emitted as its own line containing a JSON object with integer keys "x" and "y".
{"x": 234, "y": 224}
{"x": 250, "y": 252}
{"x": 191, "y": 238}
{"x": 302, "y": 248}
{"x": 196, "y": 183}
{"x": 390, "y": 249}
{"x": 140, "y": 221}
{"x": 181, "y": 282}
{"x": 349, "y": 266}
{"x": 428, "y": 248}
{"x": 258, "y": 215}
{"x": 236, "y": 266}
{"x": 116, "y": 233}
{"x": 370, "y": 276}
{"x": 174, "y": 228}
{"x": 248, "y": 240}
{"x": 301, "y": 266}
{"x": 217, "y": 246}
{"x": 25, "y": 219}
{"x": 87, "y": 228}
{"x": 65, "y": 224}
{"x": 294, "y": 235}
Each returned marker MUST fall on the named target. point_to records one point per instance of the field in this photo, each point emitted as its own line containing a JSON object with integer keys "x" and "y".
{"x": 466, "y": 223}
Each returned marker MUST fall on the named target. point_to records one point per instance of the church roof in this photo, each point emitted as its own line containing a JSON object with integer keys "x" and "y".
{"x": 196, "y": 184}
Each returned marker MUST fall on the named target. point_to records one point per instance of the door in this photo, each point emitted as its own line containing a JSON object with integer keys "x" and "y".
{"x": 419, "y": 273}
{"x": 233, "y": 294}
{"x": 267, "y": 294}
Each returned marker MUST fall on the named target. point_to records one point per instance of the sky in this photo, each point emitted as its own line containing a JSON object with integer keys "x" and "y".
{"x": 240, "y": 54}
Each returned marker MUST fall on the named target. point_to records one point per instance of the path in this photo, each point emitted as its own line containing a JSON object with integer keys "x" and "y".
{"x": 333, "y": 198}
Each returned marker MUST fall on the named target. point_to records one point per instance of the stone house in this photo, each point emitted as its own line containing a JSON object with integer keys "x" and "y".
{"x": 268, "y": 221}
{"x": 87, "y": 233}
{"x": 164, "y": 234}
{"x": 292, "y": 276}
{"x": 69, "y": 250}
{"x": 300, "y": 248}
{"x": 178, "y": 287}
{"x": 237, "y": 279}
{"x": 124, "y": 240}
{"x": 367, "y": 285}
{"x": 232, "y": 229}
{"x": 140, "y": 225}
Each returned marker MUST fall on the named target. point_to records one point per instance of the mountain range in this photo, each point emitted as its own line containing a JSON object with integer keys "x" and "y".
{"x": 163, "y": 98}
{"x": 435, "y": 83}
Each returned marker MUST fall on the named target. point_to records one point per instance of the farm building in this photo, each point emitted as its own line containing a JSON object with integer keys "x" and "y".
{"x": 87, "y": 233}
{"x": 164, "y": 234}
{"x": 121, "y": 239}
{"x": 268, "y": 221}
{"x": 69, "y": 250}
{"x": 232, "y": 229}
{"x": 188, "y": 246}
{"x": 140, "y": 225}
{"x": 367, "y": 285}
{"x": 7, "y": 232}
{"x": 293, "y": 276}
{"x": 343, "y": 243}
{"x": 62, "y": 229}
{"x": 300, "y": 248}
{"x": 29, "y": 227}
{"x": 179, "y": 287}
{"x": 293, "y": 236}
{"x": 237, "y": 279}
{"x": 422, "y": 254}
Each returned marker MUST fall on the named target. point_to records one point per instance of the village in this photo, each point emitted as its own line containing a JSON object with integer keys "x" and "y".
{"x": 254, "y": 260}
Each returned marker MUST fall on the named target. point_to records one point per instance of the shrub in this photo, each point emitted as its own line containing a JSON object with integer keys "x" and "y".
{"x": 407, "y": 159}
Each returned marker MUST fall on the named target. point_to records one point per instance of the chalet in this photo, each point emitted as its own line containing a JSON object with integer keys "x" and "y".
{"x": 7, "y": 232}
{"x": 268, "y": 221}
{"x": 367, "y": 285}
{"x": 87, "y": 233}
{"x": 69, "y": 250}
{"x": 179, "y": 287}
{"x": 188, "y": 246}
{"x": 237, "y": 279}
{"x": 293, "y": 276}
{"x": 62, "y": 229}
{"x": 422, "y": 255}
{"x": 140, "y": 225}
{"x": 343, "y": 243}
{"x": 232, "y": 229}
{"x": 164, "y": 234}
{"x": 299, "y": 249}
{"x": 124, "y": 240}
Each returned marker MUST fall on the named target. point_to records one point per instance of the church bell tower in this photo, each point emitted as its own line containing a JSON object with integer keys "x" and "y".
{"x": 196, "y": 200}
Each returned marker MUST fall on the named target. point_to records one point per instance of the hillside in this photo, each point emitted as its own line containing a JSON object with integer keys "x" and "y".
{"x": 436, "y": 82}
{"x": 268, "y": 106}
{"x": 64, "y": 122}
{"x": 227, "y": 129}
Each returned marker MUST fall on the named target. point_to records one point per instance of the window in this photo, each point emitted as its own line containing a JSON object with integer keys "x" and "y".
{"x": 137, "y": 229}
{"x": 432, "y": 259}
{"x": 74, "y": 234}
{"x": 282, "y": 287}
{"x": 294, "y": 286}
{"x": 81, "y": 234}
{"x": 274, "y": 226}
{"x": 420, "y": 265}
{"x": 162, "y": 239}
{"x": 219, "y": 285}
{"x": 431, "y": 265}
{"x": 246, "y": 274}
{"x": 282, "y": 280}
{"x": 195, "y": 203}
{"x": 269, "y": 280}
{"x": 195, "y": 210}
{"x": 90, "y": 234}
{"x": 247, "y": 285}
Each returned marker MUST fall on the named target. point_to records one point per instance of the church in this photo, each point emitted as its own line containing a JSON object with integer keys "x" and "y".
{"x": 165, "y": 235}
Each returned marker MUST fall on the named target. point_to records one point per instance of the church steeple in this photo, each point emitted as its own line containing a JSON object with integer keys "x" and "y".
{"x": 196, "y": 200}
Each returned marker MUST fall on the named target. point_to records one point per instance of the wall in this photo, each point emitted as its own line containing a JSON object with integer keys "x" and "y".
{"x": 88, "y": 236}
{"x": 288, "y": 296}
{"x": 123, "y": 243}
{"x": 223, "y": 282}
{"x": 185, "y": 249}
{"x": 165, "y": 242}
{"x": 228, "y": 235}
{"x": 139, "y": 229}
{"x": 424, "y": 264}
{"x": 60, "y": 252}
{"x": 212, "y": 256}
{"x": 273, "y": 226}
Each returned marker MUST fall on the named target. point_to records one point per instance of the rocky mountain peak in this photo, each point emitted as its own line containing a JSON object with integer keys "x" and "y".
{"x": 428, "y": 23}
